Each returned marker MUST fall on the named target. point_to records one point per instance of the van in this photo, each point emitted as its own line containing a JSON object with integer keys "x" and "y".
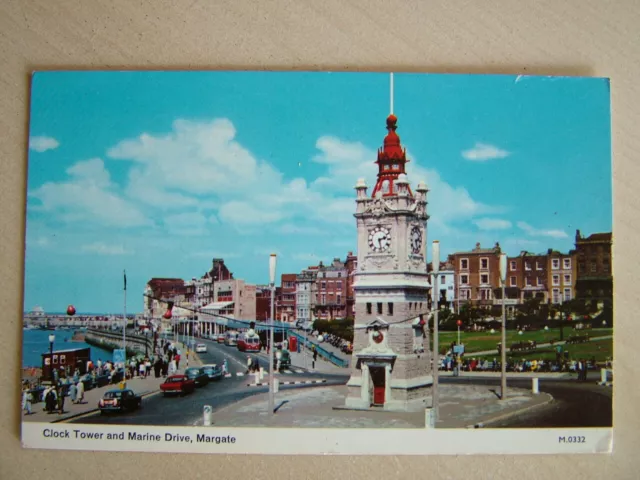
{"x": 231, "y": 339}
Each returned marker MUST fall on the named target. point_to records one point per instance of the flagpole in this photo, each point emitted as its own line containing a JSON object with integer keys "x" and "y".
{"x": 124, "y": 326}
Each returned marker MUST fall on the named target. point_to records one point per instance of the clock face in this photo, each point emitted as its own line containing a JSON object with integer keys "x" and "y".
{"x": 415, "y": 239}
{"x": 379, "y": 239}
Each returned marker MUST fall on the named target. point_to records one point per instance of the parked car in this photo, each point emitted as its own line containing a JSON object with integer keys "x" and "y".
{"x": 231, "y": 338}
{"x": 180, "y": 384}
{"x": 213, "y": 371}
{"x": 119, "y": 401}
{"x": 198, "y": 375}
{"x": 201, "y": 348}
{"x": 220, "y": 338}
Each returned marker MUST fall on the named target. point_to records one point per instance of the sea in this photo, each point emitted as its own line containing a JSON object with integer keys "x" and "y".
{"x": 36, "y": 342}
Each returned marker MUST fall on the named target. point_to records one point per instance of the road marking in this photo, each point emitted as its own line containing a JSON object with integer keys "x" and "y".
{"x": 304, "y": 382}
{"x": 239, "y": 374}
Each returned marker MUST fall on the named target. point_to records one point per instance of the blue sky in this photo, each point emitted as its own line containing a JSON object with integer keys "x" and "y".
{"x": 159, "y": 172}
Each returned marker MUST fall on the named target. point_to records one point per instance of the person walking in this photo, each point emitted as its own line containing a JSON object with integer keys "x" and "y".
{"x": 80, "y": 392}
{"x": 73, "y": 393}
{"x": 60, "y": 393}
{"x": 249, "y": 362}
{"x": 143, "y": 370}
{"x": 315, "y": 357}
{"x": 27, "y": 398}
{"x": 177, "y": 359}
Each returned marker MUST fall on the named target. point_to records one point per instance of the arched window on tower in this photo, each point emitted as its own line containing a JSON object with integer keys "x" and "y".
{"x": 385, "y": 186}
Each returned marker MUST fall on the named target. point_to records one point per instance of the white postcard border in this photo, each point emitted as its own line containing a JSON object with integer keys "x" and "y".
{"x": 301, "y": 441}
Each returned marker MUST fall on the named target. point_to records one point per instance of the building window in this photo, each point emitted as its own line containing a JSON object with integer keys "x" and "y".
{"x": 580, "y": 267}
{"x": 339, "y": 284}
{"x": 555, "y": 295}
{"x": 513, "y": 265}
{"x": 527, "y": 281}
{"x": 555, "y": 280}
{"x": 323, "y": 285}
{"x": 567, "y": 294}
{"x": 527, "y": 265}
{"x": 443, "y": 279}
{"x": 339, "y": 299}
{"x": 368, "y": 308}
{"x": 390, "y": 308}
{"x": 484, "y": 279}
{"x": 379, "y": 308}
{"x": 464, "y": 264}
{"x": 555, "y": 263}
{"x": 339, "y": 274}
{"x": 464, "y": 279}
{"x": 484, "y": 263}
{"x": 538, "y": 265}
{"x": 566, "y": 263}
{"x": 567, "y": 279}
{"x": 512, "y": 281}
{"x": 323, "y": 299}
{"x": 594, "y": 267}
{"x": 539, "y": 282}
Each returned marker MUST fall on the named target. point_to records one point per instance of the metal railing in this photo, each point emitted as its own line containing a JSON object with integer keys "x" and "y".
{"x": 330, "y": 356}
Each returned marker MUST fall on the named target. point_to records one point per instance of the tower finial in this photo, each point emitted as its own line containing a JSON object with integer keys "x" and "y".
{"x": 391, "y": 92}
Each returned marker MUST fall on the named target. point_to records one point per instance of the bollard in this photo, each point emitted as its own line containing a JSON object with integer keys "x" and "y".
{"x": 534, "y": 385}
{"x": 207, "y": 413}
{"x": 276, "y": 385}
{"x": 429, "y": 420}
{"x": 261, "y": 373}
{"x": 257, "y": 377}
{"x": 603, "y": 376}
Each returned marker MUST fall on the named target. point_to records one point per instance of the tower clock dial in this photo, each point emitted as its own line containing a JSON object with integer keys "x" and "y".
{"x": 415, "y": 240}
{"x": 379, "y": 239}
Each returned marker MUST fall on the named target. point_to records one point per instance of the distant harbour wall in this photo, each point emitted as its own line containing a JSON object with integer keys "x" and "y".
{"x": 113, "y": 340}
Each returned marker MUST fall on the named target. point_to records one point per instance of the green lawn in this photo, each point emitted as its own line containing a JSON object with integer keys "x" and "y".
{"x": 601, "y": 349}
{"x": 479, "y": 341}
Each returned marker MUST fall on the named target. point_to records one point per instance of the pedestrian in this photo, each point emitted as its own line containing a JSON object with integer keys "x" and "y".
{"x": 225, "y": 367}
{"x": 60, "y": 394}
{"x": 177, "y": 359}
{"x": 80, "y": 392}
{"x": 73, "y": 393}
{"x": 249, "y": 362}
{"x": 27, "y": 398}
{"x": 142, "y": 369}
{"x": 50, "y": 400}
{"x": 315, "y": 357}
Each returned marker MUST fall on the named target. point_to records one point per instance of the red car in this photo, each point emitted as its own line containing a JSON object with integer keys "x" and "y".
{"x": 248, "y": 343}
{"x": 177, "y": 384}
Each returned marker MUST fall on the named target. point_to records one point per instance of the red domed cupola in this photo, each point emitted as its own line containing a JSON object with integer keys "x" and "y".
{"x": 392, "y": 159}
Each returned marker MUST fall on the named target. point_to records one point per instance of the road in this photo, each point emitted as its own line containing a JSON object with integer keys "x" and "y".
{"x": 575, "y": 404}
{"x": 174, "y": 410}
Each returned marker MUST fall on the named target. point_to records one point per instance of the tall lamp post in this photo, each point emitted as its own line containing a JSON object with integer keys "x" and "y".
{"x": 52, "y": 338}
{"x": 503, "y": 350}
{"x": 435, "y": 259}
{"x": 272, "y": 284}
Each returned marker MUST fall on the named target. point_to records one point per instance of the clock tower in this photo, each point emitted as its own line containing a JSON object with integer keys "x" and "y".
{"x": 391, "y": 363}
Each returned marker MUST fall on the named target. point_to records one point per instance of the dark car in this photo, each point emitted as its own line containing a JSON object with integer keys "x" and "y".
{"x": 119, "y": 401}
{"x": 198, "y": 375}
{"x": 213, "y": 371}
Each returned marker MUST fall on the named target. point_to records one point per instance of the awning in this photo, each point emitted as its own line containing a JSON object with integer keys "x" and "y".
{"x": 215, "y": 306}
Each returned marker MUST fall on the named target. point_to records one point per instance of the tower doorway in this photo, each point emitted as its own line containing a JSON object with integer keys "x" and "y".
{"x": 378, "y": 379}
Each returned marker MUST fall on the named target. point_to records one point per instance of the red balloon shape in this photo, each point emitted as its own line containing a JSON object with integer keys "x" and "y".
{"x": 71, "y": 310}
{"x": 459, "y": 323}
{"x": 167, "y": 314}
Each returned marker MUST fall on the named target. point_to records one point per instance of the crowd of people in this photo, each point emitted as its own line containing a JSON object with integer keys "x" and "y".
{"x": 460, "y": 363}
{"x": 344, "y": 345}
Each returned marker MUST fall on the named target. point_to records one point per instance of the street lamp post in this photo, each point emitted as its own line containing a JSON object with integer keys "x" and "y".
{"x": 435, "y": 259}
{"x": 503, "y": 349}
{"x": 52, "y": 338}
{"x": 272, "y": 282}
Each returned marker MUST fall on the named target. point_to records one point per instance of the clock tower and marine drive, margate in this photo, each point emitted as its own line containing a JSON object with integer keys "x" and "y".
{"x": 391, "y": 366}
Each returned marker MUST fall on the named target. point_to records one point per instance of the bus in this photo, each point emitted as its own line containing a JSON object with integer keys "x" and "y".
{"x": 231, "y": 338}
{"x": 248, "y": 343}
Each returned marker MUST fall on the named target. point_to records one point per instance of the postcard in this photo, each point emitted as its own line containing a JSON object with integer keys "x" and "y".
{"x": 317, "y": 262}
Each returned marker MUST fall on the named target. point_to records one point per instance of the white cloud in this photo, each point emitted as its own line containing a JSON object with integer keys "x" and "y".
{"x": 482, "y": 152}
{"x": 101, "y": 248}
{"x": 89, "y": 196}
{"x": 534, "y": 232}
{"x": 187, "y": 224}
{"x": 492, "y": 224}
{"x": 43, "y": 143}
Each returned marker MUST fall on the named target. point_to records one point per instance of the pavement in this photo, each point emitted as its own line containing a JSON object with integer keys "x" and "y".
{"x": 142, "y": 386}
{"x": 461, "y": 406}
